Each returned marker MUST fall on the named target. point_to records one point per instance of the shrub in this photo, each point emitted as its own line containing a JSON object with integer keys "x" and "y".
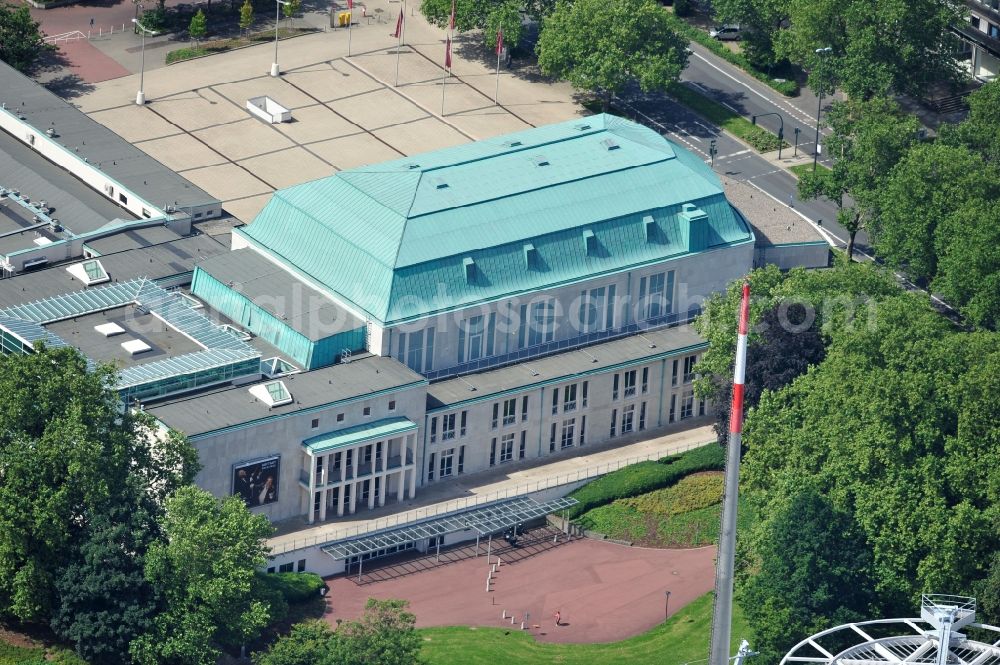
{"x": 645, "y": 477}
{"x": 682, "y": 8}
{"x": 295, "y": 587}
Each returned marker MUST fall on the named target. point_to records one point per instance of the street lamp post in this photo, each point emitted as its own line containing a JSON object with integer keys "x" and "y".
{"x": 666, "y": 606}
{"x": 140, "y": 97}
{"x": 275, "y": 70}
{"x": 820, "y": 52}
{"x": 781, "y": 127}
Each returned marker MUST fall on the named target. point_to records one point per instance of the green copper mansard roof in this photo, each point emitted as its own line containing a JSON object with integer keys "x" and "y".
{"x": 512, "y": 214}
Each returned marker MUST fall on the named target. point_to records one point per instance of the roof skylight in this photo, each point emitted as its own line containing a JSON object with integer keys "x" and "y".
{"x": 272, "y": 393}
{"x": 89, "y": 272}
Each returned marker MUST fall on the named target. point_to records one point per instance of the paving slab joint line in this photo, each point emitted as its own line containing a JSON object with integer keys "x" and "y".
{"x": 412, "y": 100}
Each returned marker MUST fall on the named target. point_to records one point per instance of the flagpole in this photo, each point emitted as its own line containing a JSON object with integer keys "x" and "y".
{"x": 399, "y": 45}
{"x": 496, "y": 93}
{"x": 350, "y": 24}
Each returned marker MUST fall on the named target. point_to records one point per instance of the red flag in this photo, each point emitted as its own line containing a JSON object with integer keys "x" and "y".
{"x": 399, "y": 25}
{"x": 451, "y": 21}
{"x": 447, "y": 53}
{"x": 350, "y": 4}
{"x": 500, "y": 40}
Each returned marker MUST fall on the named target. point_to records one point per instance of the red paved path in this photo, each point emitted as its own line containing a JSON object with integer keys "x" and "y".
{"x": 606, "y": 592}
{"x": 89, "y": 63}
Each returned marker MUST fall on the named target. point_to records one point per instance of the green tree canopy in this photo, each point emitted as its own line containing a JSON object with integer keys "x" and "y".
{"x": 980, "y": 131}
{"x": 760, "y": 20}
{"x": 605, "y": 46}
{"x": 813, "y": 573}
{"x": 246, "y": 15}
{"x": 198, "y": 26}
{"x": 205, "y": 569}
{"x": 70, "y": 456}
{"x": 384, "y": 635}
{"x": 897, "y": 428}
{"x": 21, "y": 43}
{"x": 878, "y": 47}
{"x": 486, "y": 15}
{"x": 869, "y": 137}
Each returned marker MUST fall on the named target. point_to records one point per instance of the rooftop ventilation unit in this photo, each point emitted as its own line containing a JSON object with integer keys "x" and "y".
{"x": 513, "y": 144}
{"x": 610, "y": 144}
{"x": 530, "y": 255}
{"x": 136, "y": 346}
{"x": 272, "y": 393}
{"x": 540, "y": 160}
{"x": 589, "y": 242}
{"x": 109, "y": 329}
{"x": 470, "y": 269}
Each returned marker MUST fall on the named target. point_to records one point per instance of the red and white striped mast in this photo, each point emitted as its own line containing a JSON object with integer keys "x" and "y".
{"x": 722, "y": 617}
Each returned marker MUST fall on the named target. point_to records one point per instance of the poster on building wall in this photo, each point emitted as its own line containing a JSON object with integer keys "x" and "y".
{"x": 257, "y": 482}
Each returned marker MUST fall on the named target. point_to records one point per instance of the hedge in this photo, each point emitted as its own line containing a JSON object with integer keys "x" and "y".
{"x": 643, "y": 477}
{"x": 787, "y": 88}
{"x": 295, "y": 587}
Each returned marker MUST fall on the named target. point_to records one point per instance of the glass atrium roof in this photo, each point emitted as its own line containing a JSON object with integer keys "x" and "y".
{"x": 485, "y": 520}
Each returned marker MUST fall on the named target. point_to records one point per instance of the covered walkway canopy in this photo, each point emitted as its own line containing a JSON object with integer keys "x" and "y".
{"x": 485, "y": 520}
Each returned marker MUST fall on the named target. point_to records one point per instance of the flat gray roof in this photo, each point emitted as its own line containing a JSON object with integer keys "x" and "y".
{"x": 77, "y": 207}
{"x": 157, "y": 262}
{"x": 773, "y": 223}
{"x": 634, "y": 349}
{"x": 122, "y": 161}
{"x": 164, "y": 341}
{"x": 281, "y": 293}
{"x": 208, "y": 412}
{"x": 133, "y": 239}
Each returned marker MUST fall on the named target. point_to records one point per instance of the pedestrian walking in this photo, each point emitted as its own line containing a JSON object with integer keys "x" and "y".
{"x": 790, "y": 201}
{"x": 558, "y": 618}
{"x": 91, "y": 21}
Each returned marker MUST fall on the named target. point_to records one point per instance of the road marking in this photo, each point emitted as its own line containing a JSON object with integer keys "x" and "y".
{"x": 734, "y": 154}
{"x": 793, "y": 111}
{"x": 736, "y": 111}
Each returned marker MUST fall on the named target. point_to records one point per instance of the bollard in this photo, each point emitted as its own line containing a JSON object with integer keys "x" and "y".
{"x": 504, "y": 615}
{"x": 493, "y": 568}
{"x": 522, "y": 625}
{"x": 555, "y": 539}
{"x": 512, "y": 621}
{"x": 498, "y": 561}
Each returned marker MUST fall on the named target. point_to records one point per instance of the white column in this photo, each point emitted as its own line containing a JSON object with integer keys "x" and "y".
{"x": 402, "y": 485}
{"x": 312, "y": 488}
{"x": 383, "y": 490}
{"x": 354, "y": 496}
{"x": 322, "y": 504}
{"x": 340, "y": 501}
{"x": 413, "y": 483}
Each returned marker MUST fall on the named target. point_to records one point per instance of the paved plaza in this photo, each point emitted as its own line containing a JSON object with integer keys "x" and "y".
{"x": 346, "y": 110}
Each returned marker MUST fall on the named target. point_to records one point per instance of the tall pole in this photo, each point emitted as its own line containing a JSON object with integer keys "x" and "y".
{"x": 350, "y": 24}
{"x": 399, "y": 42}
{"x": 140, "y": 96}
{"x": 722, "y": 616}
{"x": 275, "y": 71}
{"x": 496, "y": 92}
{"x": 819, "y": 107}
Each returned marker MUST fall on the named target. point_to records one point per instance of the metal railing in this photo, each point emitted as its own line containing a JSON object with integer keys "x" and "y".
{"x": 419, "y": 514}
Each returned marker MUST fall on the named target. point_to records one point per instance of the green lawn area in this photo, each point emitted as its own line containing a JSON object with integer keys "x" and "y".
{"x": 759, "y": 138}
{"x": 684, "y": 638}
{"x": 801, "y": 169}
{"x": 14, "y": 655}
{"x": 223, "y": 45}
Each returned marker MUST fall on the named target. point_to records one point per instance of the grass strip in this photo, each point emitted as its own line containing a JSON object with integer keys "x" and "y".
{"x": 223, "y": 45}
{"x": 681, "y": 639}
{"x": 759, "y": 138}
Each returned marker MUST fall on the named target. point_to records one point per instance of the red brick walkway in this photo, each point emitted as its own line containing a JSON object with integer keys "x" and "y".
{"x": 89, "y": 63}
{"x": 605, "y": 592}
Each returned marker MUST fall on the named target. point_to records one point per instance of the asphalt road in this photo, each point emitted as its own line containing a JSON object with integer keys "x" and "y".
{"x": 741, "y": 93}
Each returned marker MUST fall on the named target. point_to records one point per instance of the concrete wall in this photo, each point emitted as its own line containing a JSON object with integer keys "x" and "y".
{"x": 283, "y": 436}
{"x": 537, "y": 425}
{"x": 786, "y": 257}
{"x": 695, "y": 278}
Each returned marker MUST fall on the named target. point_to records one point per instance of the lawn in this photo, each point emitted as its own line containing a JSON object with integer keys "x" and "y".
{"x": 802, "y": 169}
{"x": 15, "y": 655}
{"x": 684, "y": 638}
{"x": 223, "y": 45}
{"x": 687, "y": 514}
{"x": 759, "y": 138}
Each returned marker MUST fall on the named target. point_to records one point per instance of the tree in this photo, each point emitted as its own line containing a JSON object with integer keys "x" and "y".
{"x": 198, "y": 26}
{"x": 385, "y": 635}
{"x": 789, "y": 343}
{"x": 606, "y": 46}
{"x": 813, "y": 572}
{"x": 105, "y": 601}
{"x": 979, "y": 131}
{"x": 968, "y": 266}
{"x": 869, "y": 137}
{"x": 927, "y": 186}
{"x": 204, "y": 568}
{"x": 878, "y": 47}
{"x": 760, "y": 20}
{"x": 485, "y": 15}
{"x": 71, "y": 460}
{"x": 896, "y": 427}
{"x": 290, "y": 9}
{"x": 246, "y": 16}
{"x": 21, "y": 43}
{"x": 308, "y": 643}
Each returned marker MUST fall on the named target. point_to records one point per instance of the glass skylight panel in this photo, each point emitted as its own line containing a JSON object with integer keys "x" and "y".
{"x": 272, "y": 393}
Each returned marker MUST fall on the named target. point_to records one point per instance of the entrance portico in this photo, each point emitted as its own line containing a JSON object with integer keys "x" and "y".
{"x": 366, "y": 462}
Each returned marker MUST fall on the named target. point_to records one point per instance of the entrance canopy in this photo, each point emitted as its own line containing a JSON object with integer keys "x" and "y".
{"x": 485, "y": 520}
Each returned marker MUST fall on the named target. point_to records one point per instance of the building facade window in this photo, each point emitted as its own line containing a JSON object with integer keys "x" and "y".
{"x": 656, "y": 294}
{"x": 569, "y": 397}
{"x": 629, "y": 384}
{"x": 541, "y": 326}
{"x": 687, "y": 404}
{"x": 496, "y": 415}
{"x": 614, "y": 423}
{"x": 461, "y": 459}
{"x": 628, "y": 418}
{"x": 555, "y": 401}
{"x": 615, "y": 387}
{"x": 471, "y": 334}
{"x": 522, "y": 448}
{"x": 583, "y": 400}
{"x": 434, "y": 429}
{"x": 524, "y": 408}
{"x": 464, "y": 420}
{"x": 315, "y": 423}
{"x": 689, "y": 364}
{"x": 509, "y": 411}
{"x": 507, "y": 447}
{"x": 416, "y": 349}
{"x": 430, "y": 467}
{"x": 447, "y": 463}
{"x": 448, "y": 426}
{"x": 367, "y": 411}
{"x": 642, "y": 416}
{"x": 568, "y": 433}
{"x": 645, "y": 380}
{"x": 597, "y": 310}
{"x": 583, "y": 430}
{"x": 552, "y": 438}
{"x": 673, "y": 408}
{"x": 493, "y": 452}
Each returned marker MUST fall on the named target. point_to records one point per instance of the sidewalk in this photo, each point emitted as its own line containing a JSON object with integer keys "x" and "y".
{"x": 505, "y": 482}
